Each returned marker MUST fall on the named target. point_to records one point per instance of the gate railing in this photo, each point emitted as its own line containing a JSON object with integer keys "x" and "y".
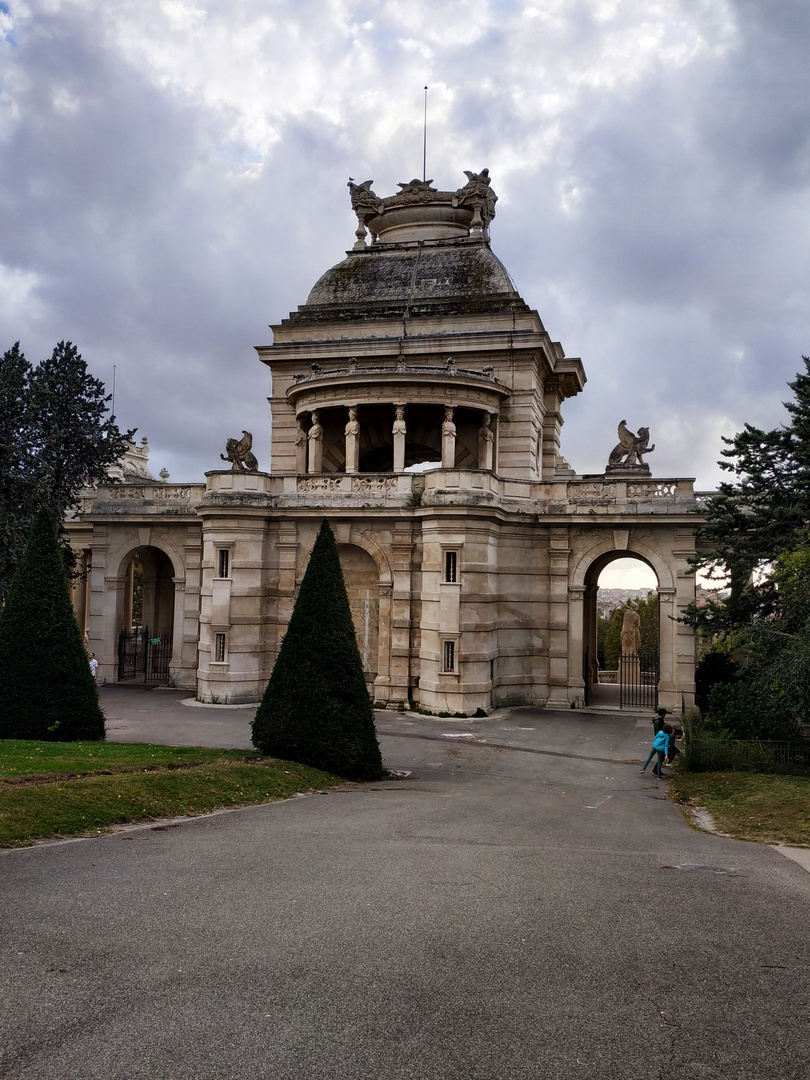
{"x": 638, "y": 679}
{"x": 143, "y": 657}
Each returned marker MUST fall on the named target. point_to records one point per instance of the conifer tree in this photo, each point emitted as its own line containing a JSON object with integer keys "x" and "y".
{"x": 16, "y": 487}
{"x": 56, "y": 437}
{"x": 316, "y": 708}
{"x": 47, "y": 691}
{"x": 762, "y": 512}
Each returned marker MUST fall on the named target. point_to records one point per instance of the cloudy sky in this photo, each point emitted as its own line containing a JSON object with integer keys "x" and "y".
{"x": 172, "y": 180}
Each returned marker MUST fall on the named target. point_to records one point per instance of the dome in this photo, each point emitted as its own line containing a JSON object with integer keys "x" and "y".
{"x": 429, "y": 254}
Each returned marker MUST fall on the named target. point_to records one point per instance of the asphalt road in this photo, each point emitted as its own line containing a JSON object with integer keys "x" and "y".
{"x": 524, "y": 905}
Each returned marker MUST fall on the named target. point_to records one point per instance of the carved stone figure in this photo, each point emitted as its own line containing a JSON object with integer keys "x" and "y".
{"x": 486, "y": 440}
{"x": 300, "y": 447}
{"x": 478, "y": 194}
{"x": 315, "y": 437}
{"x": 631, "y": 631}
{"x": 238, "y": 452}
{"x": 352, "y": 434}
{"x": 629, "y": 453}
{"x": 365, "y": 204}
{"x": 448, "y": 439}
{"x": 399, "y": 431}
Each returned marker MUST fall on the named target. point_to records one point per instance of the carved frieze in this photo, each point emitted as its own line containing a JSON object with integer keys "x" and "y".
{"x": 376, "y": 484}
{"x": 320, "y": 483}
{"x": 594, "y": 491}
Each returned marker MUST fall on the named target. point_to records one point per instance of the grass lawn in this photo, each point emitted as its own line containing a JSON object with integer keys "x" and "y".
{"x": 765, "y": 807}
{"x": 75, "y": 789}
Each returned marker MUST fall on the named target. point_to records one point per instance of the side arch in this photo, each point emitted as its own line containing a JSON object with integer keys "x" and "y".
{"x": 580, "y": 573}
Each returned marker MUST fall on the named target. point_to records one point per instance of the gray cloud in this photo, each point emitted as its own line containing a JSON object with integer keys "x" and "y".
{"x": 172, "y": 180}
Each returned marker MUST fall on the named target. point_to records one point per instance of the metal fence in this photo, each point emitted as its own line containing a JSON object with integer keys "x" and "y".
{"x": 737, "y": 755}
{"x": 143, "y": 658}
{"x": 638, "y": 679}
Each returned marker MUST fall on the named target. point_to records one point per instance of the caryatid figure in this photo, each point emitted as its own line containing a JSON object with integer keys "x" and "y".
{"x": 399, "y": 431}
{"x": 486, "y": 443}
{"x": 448, "y": 439}
{"x": 300, "y": 447}
{"x": 315, "y": 439}
{"x": 352, "y": 433}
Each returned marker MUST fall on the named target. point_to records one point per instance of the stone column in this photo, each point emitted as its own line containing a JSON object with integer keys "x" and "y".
{"x": 129, "y": 592}
{"x": 300, "y": 447}
{"x": 399, "y": 431}
{"x": 486, "y": 443}
{"x": 352, "y": 433}
{"x": 448, "y": 439}
{"x": 315, "y": 440}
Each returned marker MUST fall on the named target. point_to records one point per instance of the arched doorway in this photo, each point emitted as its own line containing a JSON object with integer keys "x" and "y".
{"x": 147, "y": 622}
{"x": 363, "y": 587}
{"x": 622, "y": 632}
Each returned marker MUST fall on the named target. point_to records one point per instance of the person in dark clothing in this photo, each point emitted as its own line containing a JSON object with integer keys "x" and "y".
{"x": 672, "y": 749}
{"x": 659, "y": 720}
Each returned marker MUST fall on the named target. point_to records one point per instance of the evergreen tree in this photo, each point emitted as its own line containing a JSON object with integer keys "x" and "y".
{"x": 56, "y": 437}
{"x": 754, "y": 681}
{"x": 15, "y": 460}
{"x": 763, "y": 512}
{"x": 47, "y": 691}
{"x": 316, "y": 709}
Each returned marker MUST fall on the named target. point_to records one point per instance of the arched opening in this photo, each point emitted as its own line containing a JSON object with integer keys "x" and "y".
{"x": 621, "y": 632}
{"x": 147, "y": 617}
{"x": 363, "y": 587}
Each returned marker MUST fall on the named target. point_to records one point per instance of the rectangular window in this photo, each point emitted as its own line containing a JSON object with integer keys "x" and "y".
{"x": 223, "y": 562}
{"x": 448, "y": 656}
{"x": 219, "y": 648}
{"x": 451, "y": 566}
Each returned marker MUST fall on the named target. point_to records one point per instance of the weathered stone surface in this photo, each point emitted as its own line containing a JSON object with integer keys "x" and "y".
{"x": 472, "y": 584}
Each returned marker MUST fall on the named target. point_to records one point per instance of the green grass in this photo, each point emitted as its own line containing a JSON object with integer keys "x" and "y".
{"x": 768, "y": 808}
{"x": 74, "y": 789}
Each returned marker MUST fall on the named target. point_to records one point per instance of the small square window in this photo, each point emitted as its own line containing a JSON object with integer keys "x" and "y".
{"x": 223, "y": 562}
{"x": 451, "y": 566}
{"x": 219, "y": 648}
{"x": 448, "y": 656}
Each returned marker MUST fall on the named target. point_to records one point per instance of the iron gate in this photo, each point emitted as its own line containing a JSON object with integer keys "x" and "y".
{"x": 143, "y": 658}
{"x": 638, "y": 679}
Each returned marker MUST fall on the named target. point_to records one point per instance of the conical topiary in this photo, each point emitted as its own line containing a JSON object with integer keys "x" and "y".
{"x": 316, "y": 709}
{"x": 47, "y": 691}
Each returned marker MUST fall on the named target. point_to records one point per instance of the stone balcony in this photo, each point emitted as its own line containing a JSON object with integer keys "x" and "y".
{"x": 568, "y": 496}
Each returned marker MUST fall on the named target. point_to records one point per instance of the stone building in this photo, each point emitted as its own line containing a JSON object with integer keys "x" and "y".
{"x": 472, "y": 582}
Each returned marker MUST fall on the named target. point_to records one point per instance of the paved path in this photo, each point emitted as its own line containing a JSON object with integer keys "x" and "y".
{"x": 525, "y": 905}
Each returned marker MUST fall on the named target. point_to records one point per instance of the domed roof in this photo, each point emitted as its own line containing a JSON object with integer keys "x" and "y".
{"x": 430, "y": 254}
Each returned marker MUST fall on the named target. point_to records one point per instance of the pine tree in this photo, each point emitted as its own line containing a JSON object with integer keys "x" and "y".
{"x": 47, "y": 691}
{"x": 56, "y": 437}
{"x": 16, "y": 488}
{"x": 316, "y": 708}
{"x": 763, "y": 512}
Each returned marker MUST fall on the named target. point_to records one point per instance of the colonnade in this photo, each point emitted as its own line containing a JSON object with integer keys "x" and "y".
{"x": 309, "y": 441}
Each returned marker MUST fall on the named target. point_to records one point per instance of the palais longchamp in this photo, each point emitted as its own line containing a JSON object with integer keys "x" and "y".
{"x": 417, "y": 405}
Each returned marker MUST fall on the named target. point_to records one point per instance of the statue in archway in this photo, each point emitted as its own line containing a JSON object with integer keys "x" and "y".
{"x": 631, "y": 630}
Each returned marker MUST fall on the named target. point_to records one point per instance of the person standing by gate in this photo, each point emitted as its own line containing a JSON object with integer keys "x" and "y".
{"x": 658, "y": 720}
{"x": 660, "y": 746}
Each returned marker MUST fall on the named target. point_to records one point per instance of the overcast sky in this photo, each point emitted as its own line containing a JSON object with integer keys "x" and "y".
{"x": 173, "y": 179}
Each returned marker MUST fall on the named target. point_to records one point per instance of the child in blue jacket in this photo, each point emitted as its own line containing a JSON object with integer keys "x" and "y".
{"x": 660, "y": 746}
